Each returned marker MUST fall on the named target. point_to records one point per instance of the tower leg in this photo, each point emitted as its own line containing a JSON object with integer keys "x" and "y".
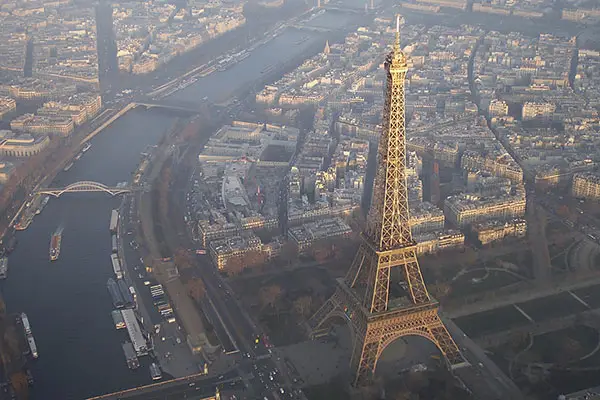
{"x": 441, "y": 337}
{"x": 315, "y": 323}
{"x": 368, "y": 347}
{"x": 364, "y": 360}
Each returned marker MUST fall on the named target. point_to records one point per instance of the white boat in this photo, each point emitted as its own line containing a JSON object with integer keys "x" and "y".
{"x": 26, "y": 325}
{"x": 32, "y": 346}
{"x": 86, "y": 147}
{"x": 3, "y": 267}
{"x": 155, "y": 372}
{"x": 42, "y": 204}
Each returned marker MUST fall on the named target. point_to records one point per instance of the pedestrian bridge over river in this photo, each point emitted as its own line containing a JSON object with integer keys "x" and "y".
{"x": 89, "y": 186}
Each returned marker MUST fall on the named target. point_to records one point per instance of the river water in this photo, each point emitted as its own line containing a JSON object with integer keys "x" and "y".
{"x": 66, "y": 301}
{"x": 291, "y": 43}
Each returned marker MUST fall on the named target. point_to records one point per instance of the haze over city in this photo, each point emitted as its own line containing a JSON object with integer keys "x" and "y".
{"x": 300, "y": 199}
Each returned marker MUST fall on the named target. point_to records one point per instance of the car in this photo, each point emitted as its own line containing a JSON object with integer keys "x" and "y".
{"x": 282, "y": 391}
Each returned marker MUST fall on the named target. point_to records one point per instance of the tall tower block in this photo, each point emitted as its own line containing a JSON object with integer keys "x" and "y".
{"x": 106, "y": 40}
{"x": 387, "y": 251}
{"x": 434, "y": 183}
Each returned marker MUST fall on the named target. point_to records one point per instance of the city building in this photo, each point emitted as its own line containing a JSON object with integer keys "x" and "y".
{"x": 434, "y": 242}
{"x": 306, "y": 235}
{"x": 498, "y": 108}
{"x": 465, "y": 209}
{"x": 495, "y": 161}
{"x": 43, "y": 124}
{"x": 23, "y": 145}
{"x": 7, "y": 106}
{"x": 425, "y": 217}
{"x": 106, "y": 39}
{"x": 586, "y": 186}
{"x": 248, "y": 140}
{"x": 6, "y": 170}
{"x": 80, "y": 108}
{"x": 537, "y": 110}
{"x": 223, "y": 250}
{"x": 491, "y": 231}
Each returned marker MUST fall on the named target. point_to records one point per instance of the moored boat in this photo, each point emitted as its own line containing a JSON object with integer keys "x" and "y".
{"x": 43, "y": 204}
{"x": 55, "y": 242}
{"x": 3, "y": 267}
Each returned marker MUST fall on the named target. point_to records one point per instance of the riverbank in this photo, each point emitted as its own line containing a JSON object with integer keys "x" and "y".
{"x": 163, "y": 268}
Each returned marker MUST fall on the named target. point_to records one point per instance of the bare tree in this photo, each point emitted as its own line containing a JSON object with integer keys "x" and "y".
{"x": 269, "y": 295}
{"x": 183, "y": 258}
{"x": 303, "y": 306}
{"x": 234, "y": 265}
{"x": 196, "y": 289}
{"x": 289, "y": 252}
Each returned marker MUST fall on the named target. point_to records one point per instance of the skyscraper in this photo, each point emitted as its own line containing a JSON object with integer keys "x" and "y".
{"x": 106, "y": 45}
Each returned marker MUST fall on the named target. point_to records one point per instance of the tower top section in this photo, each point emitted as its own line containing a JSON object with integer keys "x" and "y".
{"x": 397, "y": 58}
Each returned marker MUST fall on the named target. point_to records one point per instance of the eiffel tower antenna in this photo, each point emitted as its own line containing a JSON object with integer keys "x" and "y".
{"x": 363, "y": 296}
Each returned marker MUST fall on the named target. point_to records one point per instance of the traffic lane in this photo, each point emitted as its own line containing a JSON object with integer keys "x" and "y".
{"x": 228, "y": 319}
{"x": 222, "y": 298}
{"x": 220, "y": 331}
{"x": 227, "y": 301}
{"x": 271, "y": 378}
{"x": 193, "y": 385}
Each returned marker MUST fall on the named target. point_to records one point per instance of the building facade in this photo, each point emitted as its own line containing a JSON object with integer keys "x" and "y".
{"x": 586, "y": 185}
{"x": 24, "y": 145}
{"x": 491, "y": 231}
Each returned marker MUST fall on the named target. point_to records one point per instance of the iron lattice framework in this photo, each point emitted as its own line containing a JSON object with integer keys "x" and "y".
{"x": 363, "y": 297}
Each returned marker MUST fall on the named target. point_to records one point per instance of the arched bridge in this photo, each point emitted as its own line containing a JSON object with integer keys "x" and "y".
{"x": 87, "y": 186}
{"x": 168, "y": 106}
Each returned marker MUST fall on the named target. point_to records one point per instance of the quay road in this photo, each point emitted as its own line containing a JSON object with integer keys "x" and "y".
{"x": 187, "y": 387}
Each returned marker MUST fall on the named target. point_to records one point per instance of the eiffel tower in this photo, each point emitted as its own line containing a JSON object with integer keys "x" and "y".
{"x": 387, "y": 250}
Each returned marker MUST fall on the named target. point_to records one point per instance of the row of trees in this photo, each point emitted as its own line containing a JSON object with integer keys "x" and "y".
{"x": 252, "y": 259}
{"x": 272, "y": 297}
{"x": 164, "y": 184}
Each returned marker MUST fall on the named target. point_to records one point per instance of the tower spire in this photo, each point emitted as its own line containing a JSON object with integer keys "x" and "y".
{"x": 397, "y": 44}
{"x": 398, "y": 57}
